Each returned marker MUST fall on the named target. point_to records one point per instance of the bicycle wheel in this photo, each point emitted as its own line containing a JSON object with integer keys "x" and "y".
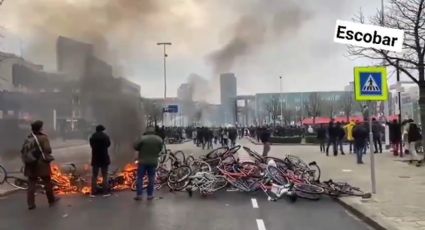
{"x": 189, "y": 160}
{"x": 308, "y": 196}
{"x": 18, "y": 183}
{"x": 179, "y": 174}
{"x": 309, "y": 189}
{"x": 200, "y": 166}
{"x": 178, "y": 186}
{"x": 276, "y": 175}
{"x": 239, "y": 184}
{"x": 219, "y": 183}
{"x": 3, "y": 175}
{"x": 231, "y": 151}
{"x": 216, "y": 152}
{"x": 347, "y": 189}
{"x": 248, "y": 168}
{"x": 180, "y": 157}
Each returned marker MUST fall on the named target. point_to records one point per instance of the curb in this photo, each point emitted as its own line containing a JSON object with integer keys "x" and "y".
{"x": 370, "y": 219}
{"x": 296, "y": 144}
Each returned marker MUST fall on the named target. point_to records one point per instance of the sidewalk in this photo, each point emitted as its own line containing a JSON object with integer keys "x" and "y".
{"x": 400, "y": 199}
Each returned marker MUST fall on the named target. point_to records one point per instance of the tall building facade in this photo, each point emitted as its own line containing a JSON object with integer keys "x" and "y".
{"x": 228, "y": 94}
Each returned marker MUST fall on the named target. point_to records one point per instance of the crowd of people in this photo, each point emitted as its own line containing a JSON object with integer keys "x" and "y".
{"x": 356, "y": 134}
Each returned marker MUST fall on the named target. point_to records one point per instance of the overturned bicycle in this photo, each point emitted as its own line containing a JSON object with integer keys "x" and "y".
{"x": 220, "y": 169}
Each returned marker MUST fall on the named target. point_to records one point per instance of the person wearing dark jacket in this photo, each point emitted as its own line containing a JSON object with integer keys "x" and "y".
{"x": 321, "y": 136}
{"x": 332, "y": 138}
{"x": 376, "y": 131}
{"x": 340, "y": 137}
{"x": 40, "y": 168}
{"x": 265, "y": 138}
{"x": 395, "y": 136}
{"x": 99, "y": 143}
{"x": 360, "y": 134}
{"x": 149, "y": 147}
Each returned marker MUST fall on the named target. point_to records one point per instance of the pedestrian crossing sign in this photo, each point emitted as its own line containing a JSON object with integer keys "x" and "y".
{"x": 370, "y": 83}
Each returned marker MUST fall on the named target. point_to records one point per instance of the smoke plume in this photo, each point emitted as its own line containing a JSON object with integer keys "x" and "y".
{"x": 266, "y": 21}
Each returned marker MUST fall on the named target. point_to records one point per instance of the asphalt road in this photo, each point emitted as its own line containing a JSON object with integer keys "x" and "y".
{"x": 225, "y": 210}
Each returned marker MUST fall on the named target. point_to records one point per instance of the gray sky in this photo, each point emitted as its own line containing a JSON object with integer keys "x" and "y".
{"x": 279, "y": 37}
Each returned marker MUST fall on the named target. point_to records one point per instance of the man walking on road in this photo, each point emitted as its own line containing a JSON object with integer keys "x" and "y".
{"x": 332, "y": 135}
{"x": 99, "y": 143}
{"x": 321, "y": 136}
{"x": 376, "y": 130}
{"x": 360, "y": 134}
{"x": 36, "y": 154}
{"x": 265, "y": 138}
{"x": 148, "y": 147}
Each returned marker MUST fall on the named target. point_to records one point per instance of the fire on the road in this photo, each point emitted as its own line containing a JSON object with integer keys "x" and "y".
{"x": 70, "y": 183}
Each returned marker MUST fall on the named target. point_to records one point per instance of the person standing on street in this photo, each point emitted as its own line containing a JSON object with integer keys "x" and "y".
{"x": 376, "y": 131}
{"x": 340, "y": 137}
{"x": 395, "y": 136}
{"x": 149, "y": 147}
{"x": 349, "y": 133}
{"x": 99, "y": 143}
{"x": 332, "y": 138}
{"x": 265, "y": 138}
{"x": 360, "y": 134}
{"x": 37, "y": 155}
{"x": 413, "y": 135}
{"x": 321, "y": 137}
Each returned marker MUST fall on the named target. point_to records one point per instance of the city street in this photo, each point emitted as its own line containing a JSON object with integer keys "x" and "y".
{"x": 224, "y": 210}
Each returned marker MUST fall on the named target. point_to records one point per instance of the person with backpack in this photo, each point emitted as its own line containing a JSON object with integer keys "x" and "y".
{"x": 149, "y": 147}
{"x": 99, "y": 143}
{"x": 360, "y": 135}
{"x": 413, "y": 135}
{"x": 36, "y": 156}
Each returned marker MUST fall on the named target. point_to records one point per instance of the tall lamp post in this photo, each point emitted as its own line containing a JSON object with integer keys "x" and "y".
{"x": 164, "y": 44}
{"x": 281, "y": 102}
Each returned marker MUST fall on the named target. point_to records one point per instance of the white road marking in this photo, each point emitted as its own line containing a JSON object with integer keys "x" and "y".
{"x": 347, "y": 170}
{"x": 260, "y": 224}
{"x": 254, "y": 203}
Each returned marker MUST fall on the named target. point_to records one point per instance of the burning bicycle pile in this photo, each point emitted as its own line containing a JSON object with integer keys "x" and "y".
{"x": 220, "y": 169}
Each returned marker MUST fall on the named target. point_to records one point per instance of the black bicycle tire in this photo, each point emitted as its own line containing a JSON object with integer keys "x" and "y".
{"x": 224, "y": 185}
{"x": 15, "y": 185}
{"x": 281, "y": 179}
{"x": 250, "y": 164}
{"x": 187, "y": 162}
{"x": 231, "y": 151}
{"x": 309, "y": 188}
{"x": 183, "y": 161}
{"x": 3, "y": 174}
{"x": 210, "y": 154}
{"x": 254, "y": 154}
{"x": 347, "y": 189}
{"x": 239, "y": 185}
{"x": 178, "y": 186}
{"x": 170, "y": 174}
{"x": 308, "y": 196}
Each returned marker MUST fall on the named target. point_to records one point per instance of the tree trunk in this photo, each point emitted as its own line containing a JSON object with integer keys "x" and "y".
{"x": 422, "y": 111}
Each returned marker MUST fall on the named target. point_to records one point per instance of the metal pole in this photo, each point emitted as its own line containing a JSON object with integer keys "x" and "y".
{"x": 372, "y": 155}
{"x": 164, "y": 44}
{"x": 399, "y": 106}
{"x": 281, "y": 102}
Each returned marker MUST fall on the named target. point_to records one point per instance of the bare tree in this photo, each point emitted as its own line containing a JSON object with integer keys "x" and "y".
{"x": 153, "y": 111}
{"x": 312, "y": 106}
{"x": 346, "y": 102}
{"x": 409, "y": 16}
{"x": 329, "y": 107}
{"x": 273, "y": 108}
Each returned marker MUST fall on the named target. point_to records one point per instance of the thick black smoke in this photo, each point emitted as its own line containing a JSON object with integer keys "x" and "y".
{"x": 266, "y": 21}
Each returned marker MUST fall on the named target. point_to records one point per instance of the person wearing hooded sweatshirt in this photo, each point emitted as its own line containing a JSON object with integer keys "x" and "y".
{"x": 99, "y": 143}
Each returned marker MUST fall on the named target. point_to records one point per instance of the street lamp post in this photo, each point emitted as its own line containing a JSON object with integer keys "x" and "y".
{"x": 164, "y": 44}
{"x": 281, "y": 102}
